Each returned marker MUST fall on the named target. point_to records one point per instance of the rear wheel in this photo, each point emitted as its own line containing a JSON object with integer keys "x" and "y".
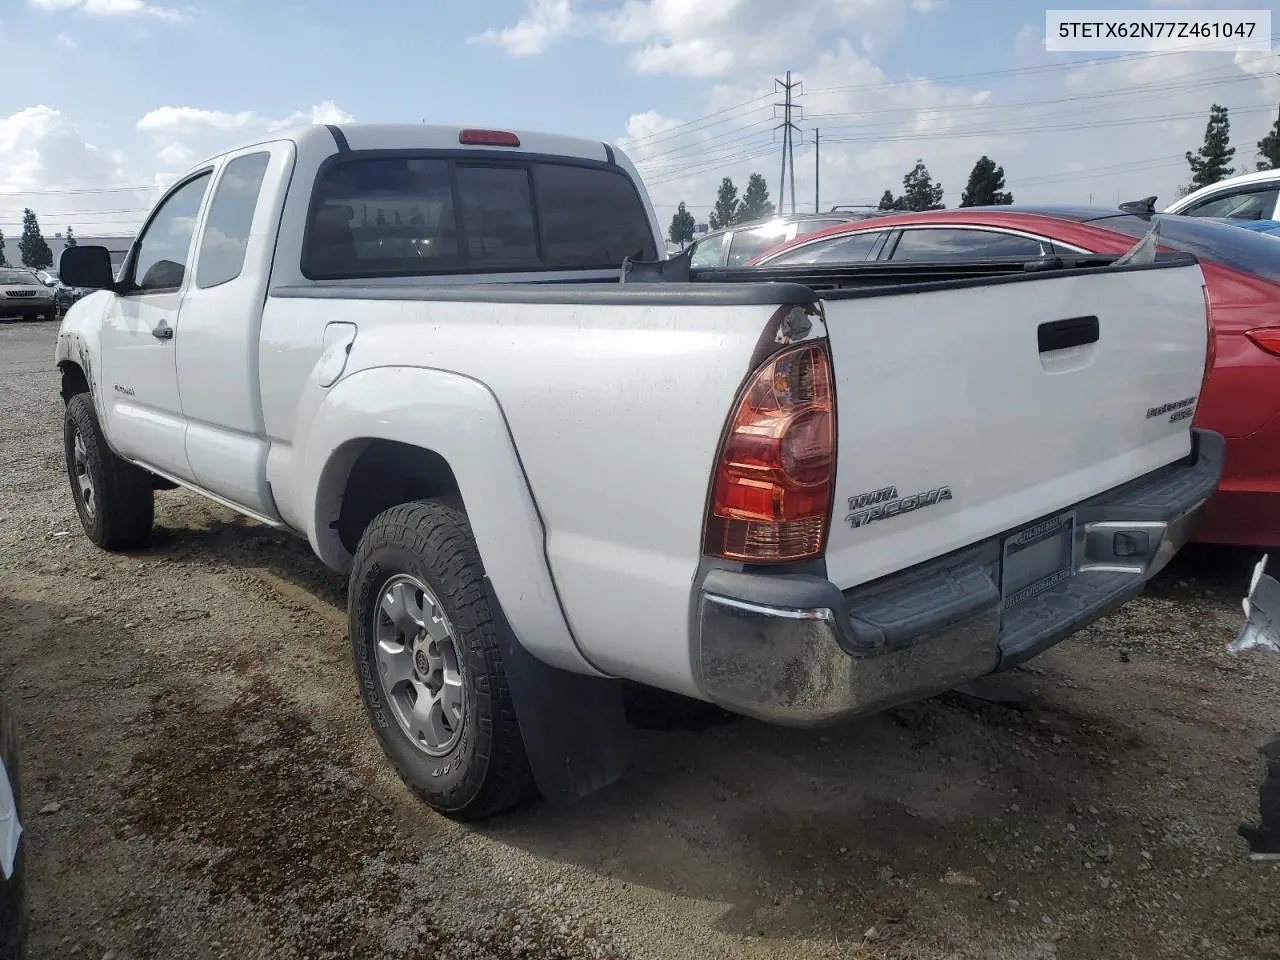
{"x": 113, "y": 498}
{"x": 428, "y": 663}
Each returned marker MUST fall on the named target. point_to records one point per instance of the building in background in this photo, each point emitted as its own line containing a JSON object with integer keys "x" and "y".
{"x": 117, "y": 245}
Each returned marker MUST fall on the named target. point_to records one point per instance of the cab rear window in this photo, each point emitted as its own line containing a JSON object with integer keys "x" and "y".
{"x": 427, "y": 215}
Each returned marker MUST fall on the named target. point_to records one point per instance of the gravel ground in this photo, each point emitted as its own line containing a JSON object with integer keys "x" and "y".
{"x": 190, "y": 723}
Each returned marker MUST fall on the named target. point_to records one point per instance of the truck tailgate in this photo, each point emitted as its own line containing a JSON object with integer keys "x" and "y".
{"x": 971, "y": 410}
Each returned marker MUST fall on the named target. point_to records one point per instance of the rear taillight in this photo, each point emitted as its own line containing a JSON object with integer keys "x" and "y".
{"x": 1268, "y": 338}
{"x": 771, "y": 494}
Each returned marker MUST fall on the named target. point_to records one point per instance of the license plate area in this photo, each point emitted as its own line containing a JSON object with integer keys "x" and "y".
{"x": 1037, "y": 558}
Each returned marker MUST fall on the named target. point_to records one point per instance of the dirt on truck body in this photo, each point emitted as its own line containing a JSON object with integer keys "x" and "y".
{"x": 201, "y": 783}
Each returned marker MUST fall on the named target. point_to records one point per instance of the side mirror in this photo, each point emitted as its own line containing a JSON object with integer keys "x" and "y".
{"x": 88, "y": 267}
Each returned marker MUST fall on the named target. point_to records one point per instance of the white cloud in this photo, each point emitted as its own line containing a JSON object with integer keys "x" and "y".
{"x": 545, "y": 22}
{"x": 66, "y": 42}
{"x": 183, "y": 134}
{"x": 709, "y": 38}
{"x": 174, "y": 154}
{"x": 326, "y": 112}
{"x": 52, "y": 169}
{"x": 50, "y": 166}
{"x": 194, "y": 118}
{"x": 643, "y": 126}
{"x": 110, "y": 8}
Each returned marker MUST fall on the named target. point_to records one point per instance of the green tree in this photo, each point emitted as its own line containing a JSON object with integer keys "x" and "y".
{"x": 888, "y": 201}
{"x": 986, "y": 185}
{"x": 725, "y": 213}
{"x": 682, "y": 226}
{"x": 3, "y": 261}
{"x": 1213, "y": 160}
{"x": 34, "y": 250}
{"x": 70, "y": 241}
{"x": 1269, "y": 149}
{"x": 755, "y": 202}
{"x": 919, "y": 192}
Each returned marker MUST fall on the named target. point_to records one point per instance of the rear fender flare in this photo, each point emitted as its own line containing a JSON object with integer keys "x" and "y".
{"x": 459, "y": 419}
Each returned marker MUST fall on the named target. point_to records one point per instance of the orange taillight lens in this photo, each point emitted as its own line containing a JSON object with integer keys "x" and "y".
{"x": 1268, "y": 338}
{"x": 771, "y": 495}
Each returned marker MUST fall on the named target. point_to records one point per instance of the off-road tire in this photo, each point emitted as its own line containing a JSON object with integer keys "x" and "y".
{"x": 487, "y": 771}
{"x": 125, "y": 502}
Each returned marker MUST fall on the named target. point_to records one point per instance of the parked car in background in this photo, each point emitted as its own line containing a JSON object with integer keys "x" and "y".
{"x": 64, "y": 296}
{"x": 1241, "y": 398}
{"x": 22, "y": 294}
{"x": 1250, "y": 196}
{"x": 1257, "y": 226}
{"x": 734, "y": 246}
{"x": 13, "y": 917}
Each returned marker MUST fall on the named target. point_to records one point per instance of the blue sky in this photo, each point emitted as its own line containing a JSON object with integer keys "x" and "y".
{"x": 105, "y": 95}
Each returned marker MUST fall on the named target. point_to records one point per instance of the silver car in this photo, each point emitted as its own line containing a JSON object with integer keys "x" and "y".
{"x": 22, "y": 294}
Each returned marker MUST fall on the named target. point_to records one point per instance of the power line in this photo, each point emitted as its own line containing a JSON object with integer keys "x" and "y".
{"x": 670, "y": 131}
{"x": 788, "y": 156}
{"x": 1037, "y": 128}
{"x": 77, "y": 191}
{"x": 675, "y": 132}
{"x": 1138, "y": 95}
{"x": 666, "y": 159}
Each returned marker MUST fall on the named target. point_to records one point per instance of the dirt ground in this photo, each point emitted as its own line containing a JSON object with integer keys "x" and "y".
{"x": 189, "y": 718}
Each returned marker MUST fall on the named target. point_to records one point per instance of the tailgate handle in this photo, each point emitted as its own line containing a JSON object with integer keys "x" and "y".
{"x": 1071, "y": 332}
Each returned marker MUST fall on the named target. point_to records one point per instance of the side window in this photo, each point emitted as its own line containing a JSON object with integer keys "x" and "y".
{"x": 853, "y": 248}
{"x": 163, "y": 248}
{"x": 944, "y": 244}
{"x": 1258, "y": 205}
{"x": 707, "y": 253}
{"x": 226, "y": 230}
{"x": 749, "y": 244}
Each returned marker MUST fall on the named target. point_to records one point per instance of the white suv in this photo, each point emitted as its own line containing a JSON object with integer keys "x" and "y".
{"x": 1250, "y": 196}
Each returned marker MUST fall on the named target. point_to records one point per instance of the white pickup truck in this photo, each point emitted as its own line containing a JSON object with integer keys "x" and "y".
{"x": 552, "y": 464}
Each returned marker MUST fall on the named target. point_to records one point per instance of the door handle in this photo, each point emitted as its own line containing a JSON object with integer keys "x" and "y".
{"x": 1072, "y": 332}
{"x": 162, "y": 331}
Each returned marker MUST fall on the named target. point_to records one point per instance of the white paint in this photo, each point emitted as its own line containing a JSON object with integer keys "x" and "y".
{"x": 959, "y": 395}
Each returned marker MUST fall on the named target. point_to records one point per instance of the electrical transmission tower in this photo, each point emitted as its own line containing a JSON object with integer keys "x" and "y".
{"x": 787, "y": 127}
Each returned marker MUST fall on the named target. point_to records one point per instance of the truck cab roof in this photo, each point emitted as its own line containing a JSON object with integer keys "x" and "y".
{"x": 335, "y": 137}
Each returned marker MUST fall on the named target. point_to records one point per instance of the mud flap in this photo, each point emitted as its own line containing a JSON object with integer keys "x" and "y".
{"x": 574, "y": 726}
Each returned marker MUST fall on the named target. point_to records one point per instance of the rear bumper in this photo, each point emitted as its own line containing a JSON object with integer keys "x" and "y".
{"x": 796, "y": 651}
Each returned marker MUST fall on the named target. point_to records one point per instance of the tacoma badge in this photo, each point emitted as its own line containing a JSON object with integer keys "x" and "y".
{"x": 885, "y": 503}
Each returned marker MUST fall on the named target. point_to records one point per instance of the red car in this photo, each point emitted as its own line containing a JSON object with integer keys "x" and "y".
{"x": 1241, "y": 397}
